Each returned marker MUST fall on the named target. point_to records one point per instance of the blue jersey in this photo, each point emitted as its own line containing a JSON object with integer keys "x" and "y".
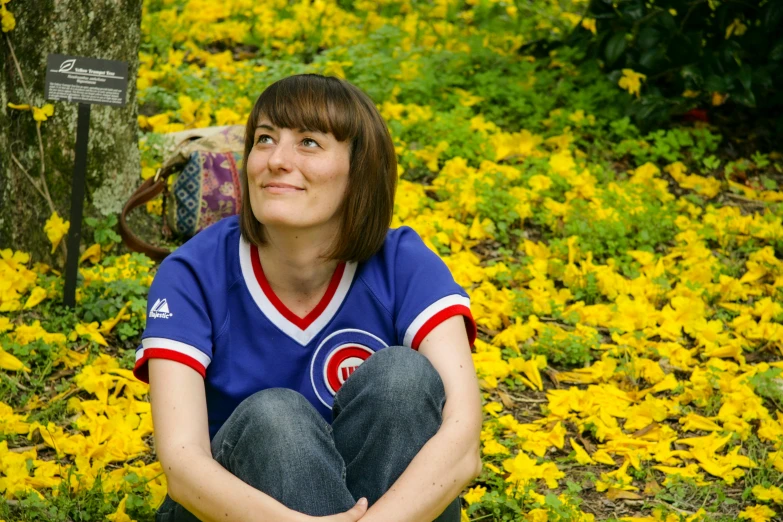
{"x": 210, "y": 307}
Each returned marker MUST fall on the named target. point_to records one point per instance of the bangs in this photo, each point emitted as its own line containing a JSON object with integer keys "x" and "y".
{"x": 308, "y": 102}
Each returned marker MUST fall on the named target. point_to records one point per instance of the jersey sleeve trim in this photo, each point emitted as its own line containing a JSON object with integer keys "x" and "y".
{"x": 161, "y": 348}
{"x": 435, "y": 314}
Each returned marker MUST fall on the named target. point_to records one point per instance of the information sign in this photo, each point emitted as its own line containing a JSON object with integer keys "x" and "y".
{"x": 84, "y": 81}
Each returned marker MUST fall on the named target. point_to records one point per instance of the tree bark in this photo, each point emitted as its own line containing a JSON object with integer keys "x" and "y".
{"x": 108, "y": 29}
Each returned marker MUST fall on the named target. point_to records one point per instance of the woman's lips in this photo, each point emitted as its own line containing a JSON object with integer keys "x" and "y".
{"x": 281, "y": 188}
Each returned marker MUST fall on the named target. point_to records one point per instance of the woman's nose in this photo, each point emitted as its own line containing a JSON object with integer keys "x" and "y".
{"x": 281, "y": 156}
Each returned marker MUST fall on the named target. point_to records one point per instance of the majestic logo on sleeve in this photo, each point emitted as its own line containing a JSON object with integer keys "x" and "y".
{"x": 337, "y": 357}
{"x": 160, "y": 310}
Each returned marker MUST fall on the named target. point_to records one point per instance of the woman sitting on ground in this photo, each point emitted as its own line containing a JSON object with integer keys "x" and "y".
{"x": 303, "y": 355}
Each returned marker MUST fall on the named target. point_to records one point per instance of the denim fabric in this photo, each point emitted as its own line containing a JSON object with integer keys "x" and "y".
{"x": 278, "y": 443}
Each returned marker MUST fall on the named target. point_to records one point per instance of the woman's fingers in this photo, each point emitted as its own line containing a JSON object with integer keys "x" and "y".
{"x": 352, "y": 515}
{"x": 358, "y": 510}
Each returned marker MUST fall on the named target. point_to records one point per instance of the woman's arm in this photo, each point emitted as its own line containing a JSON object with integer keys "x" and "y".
{"x": 451, "y": 459}
{"x": 195, "y": 480}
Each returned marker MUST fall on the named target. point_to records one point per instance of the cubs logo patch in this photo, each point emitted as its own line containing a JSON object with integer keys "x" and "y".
{"x": 337, "y": 357}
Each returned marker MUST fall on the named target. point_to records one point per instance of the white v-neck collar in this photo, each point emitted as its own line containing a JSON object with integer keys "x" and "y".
{"x": 308, "y": 328}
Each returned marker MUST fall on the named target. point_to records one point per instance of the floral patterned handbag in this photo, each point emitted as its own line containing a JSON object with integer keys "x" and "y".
{"x": 206, "y": 190}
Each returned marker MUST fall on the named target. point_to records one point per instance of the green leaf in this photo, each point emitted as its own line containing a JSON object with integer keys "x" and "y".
{"x": 745, "y": 76}
{"x": 747, "y": 99}
{"x": 776, "y": 52}
{"x": 773, "y": 16}
{"x": 667, "y": 21}
{"x": 653, "y": 58}
{"x": 615, "y": 47}
{"x": 715, "y": 84}
{"x": 648, "y": 38}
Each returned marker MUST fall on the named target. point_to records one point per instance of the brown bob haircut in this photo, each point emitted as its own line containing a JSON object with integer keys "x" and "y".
{"x": 328, "y": 104}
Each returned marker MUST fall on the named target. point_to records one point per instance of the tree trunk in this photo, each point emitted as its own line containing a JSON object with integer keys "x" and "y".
{"x": 107, "y": 29}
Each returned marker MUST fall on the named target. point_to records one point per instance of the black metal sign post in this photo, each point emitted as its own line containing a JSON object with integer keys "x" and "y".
{"x": 85, "y": 81}
{"x": 77, "y": 204}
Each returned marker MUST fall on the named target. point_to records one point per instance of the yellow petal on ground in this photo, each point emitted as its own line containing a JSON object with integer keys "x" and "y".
{"x": 600, "y": 371}
{"x": 693, "y": 422}
{"x": 530, "y": 369}
{"x": 11, "y": 363}
{"x": 120, "y": 515}
{"x": 603, "y": 457}
{"x": 109, "y": 324}
{"x": 93, "y": 254}
{"x": 618, "y": 494}
{"x": 758, "y": 514}
{"x": 90, "y": 331}
{"x": 70, "y": 358}
{"x": 710, "y": 443}
{"x": 581, "y": 455}
{"x": 36, "y": 296}
{"x": 474, "y": 494}
{"x": 770, "y": 494}
{"x": 5, "y": 324}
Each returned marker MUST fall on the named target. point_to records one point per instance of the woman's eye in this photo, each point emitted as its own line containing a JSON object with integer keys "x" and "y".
{"x": 261, "y": 138}
{"x": 311, "y": 139}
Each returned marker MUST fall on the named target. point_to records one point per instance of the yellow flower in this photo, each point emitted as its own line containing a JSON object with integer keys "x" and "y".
{"x": 55, "y": 229}
{"x": 120, "y": 515}
{"x": 467, "y": 99}
{"x": 430, "y": 154}
{"x": 474, "y": 494}
{"x": 589, "y": 24}
{"x": 493, "y": 447}
{"x": 5, "y": 324}
{"x": 93, "y": 254}
{"x": 581, "y": 455}
{"x": 19, "y": 106}
{"x": 537, "y": 515}
{"x": 493, "y": 408}
{"x": 773, "y": 494}
{"x": 7, "y": 20}
{"x": 332, "y": 68}
{"x": 227, "y": 117}
{"x": 540, "y": 183}
{"x": 42, "y": 113}
{"x": 718, "y": 98}
{"x": 758, "y": 513}
{"x": 36, "y": 296}
{"x": 155, "y": 207}
{"x": 736, "y": 27}
{"x": 11, "y": 363}
{"x": 631, "y": 81}
{"x": 92, "y": 332}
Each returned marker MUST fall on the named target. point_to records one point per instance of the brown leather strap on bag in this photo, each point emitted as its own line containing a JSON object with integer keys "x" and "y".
{"x": 146, "y": 192}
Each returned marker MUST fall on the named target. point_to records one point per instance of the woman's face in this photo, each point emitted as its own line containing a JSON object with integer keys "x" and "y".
{"x": 296, "y": 178}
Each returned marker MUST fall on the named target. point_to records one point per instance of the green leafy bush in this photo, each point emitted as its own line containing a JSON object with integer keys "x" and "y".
{"x": 693, "y": 53}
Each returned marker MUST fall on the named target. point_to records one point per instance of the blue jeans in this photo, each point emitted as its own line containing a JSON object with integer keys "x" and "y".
{"x": 277, "y": 442}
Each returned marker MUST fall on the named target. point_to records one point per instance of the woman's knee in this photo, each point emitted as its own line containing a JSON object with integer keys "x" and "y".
{"x": 274, "y": 415}
{"x": 397, "y": 374}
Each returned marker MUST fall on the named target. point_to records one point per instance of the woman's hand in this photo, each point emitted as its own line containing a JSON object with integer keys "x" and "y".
{"x": 352, "y": 515}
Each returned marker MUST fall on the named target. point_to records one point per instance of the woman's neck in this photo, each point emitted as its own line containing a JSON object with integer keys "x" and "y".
{"x": 293, "y": 262}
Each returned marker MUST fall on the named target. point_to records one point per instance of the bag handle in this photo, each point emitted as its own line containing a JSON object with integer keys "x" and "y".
{"x": 146, "y": 192}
